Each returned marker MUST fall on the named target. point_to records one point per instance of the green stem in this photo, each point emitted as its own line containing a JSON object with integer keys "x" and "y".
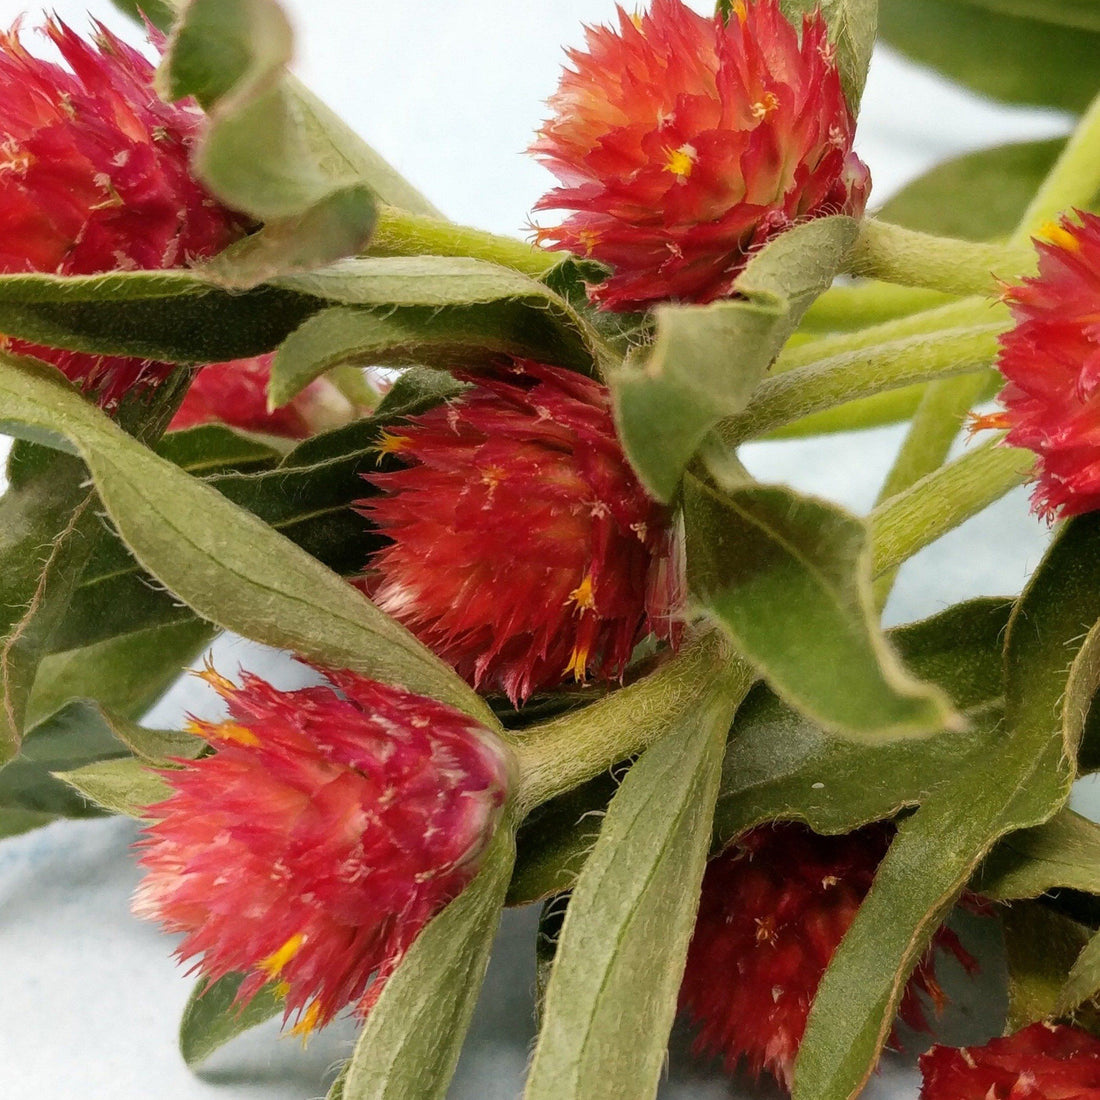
{"x": 561, "y": 754}
{"x": 844, "y": 308}
{"x": 401, "y": 234}
{"x": 941, "y": 501}
{"x": 841, "y": 378}
{"x": 898, "y": 255}
{"x": 933, "y": 429}
{"x": 1072, "y": 181}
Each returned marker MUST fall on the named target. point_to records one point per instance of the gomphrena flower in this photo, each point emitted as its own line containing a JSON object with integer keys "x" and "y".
{"x": 1051, "y": 359}
{"x": 326, "y": 830}
{"x": 235, "y": 393}
{"x": 684, "y": 142}
{"x": 523, "y": 547}
{"x": 1041, "y": 1062}
{"x": 94, "y": 177}
{"x": 774, "y": 909}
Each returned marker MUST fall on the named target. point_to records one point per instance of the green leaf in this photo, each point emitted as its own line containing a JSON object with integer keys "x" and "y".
{"x": 852, "y": 25}
{"x": 212, "y": 1017}
{"x": 978, "y": 196}
{"x": 788, "y": 576}
{"x": 1084, "y": 14}
{"x": 707, "y": 360}
{"x": 17, "y": 822}
{"x": 1010, "y": 57}
{"x": 1082, "y": 983}
{"x": 124, "y": 786}
{"x": 161, "y": 13}
{"x": 1062, "y": 853}
{"x": 1021, "y": 785}
{"x": 227, "y": 565}
{"x": 259, "y": 154}
{"x": 612, "y": 991}
{"x": 409, "y": 1045}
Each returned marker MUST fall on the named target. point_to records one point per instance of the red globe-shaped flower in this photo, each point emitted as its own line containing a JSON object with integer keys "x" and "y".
{"x": 94, "y": 177}
{"x": 773, "y": 911}
{"x": 684, "y": 142}
{"x": 523, "y": 547}
{"x": 327, "y": 829}
{"x": 235, "y": 393}
{"x": 1051, "y": 359}
{"x": 1042, "y": 1062}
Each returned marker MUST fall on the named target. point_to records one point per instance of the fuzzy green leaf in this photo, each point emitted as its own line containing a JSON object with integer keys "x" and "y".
{"x": 852, "y": 25}
{"x": 17, "y": 822}
{"x": 611, "y": 996}
{"x": 125, "y": 786}
{"x": 707, "y": 360}
{"x": 409, "y": 1045}
{"x": 1082, "y": 983}
{"x": 788, "y": 576}
{"x": 229, "y": 566}
{"x": 1084, "y": 14}
{"x": 211, "y": 1017}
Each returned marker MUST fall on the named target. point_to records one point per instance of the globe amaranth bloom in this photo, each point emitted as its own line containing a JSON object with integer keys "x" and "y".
{"x": 1041, "y": 1062}
{"x": 683, "y": 142}
{"x": 94, "y": 177}
{"x": 773, "y": 911}
{"x": 235, "y": 393}
{"x": 523, "y": 547}
{"x": 1051, "y": 360}
{"x": 326, "y": 830}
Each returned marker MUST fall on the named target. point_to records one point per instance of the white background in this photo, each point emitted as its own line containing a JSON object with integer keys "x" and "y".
{"x": 451, "y": 93}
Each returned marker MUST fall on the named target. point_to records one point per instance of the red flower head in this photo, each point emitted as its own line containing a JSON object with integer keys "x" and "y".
{"x": 524, "y": 549}
{"x": 685, "y": 142}
{"x": 774, "y": 909}
{"x": 235, "y": 393}
{"x": 319, "y": 839}
{"x": 1051, "y": 359}
{"x": 94, "y": 177}
{"x": 1042, "y": 1062}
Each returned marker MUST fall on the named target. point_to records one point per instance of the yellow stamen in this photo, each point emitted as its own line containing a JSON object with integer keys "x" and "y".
{"x": 578, "y": 662}
{"x": 232, "y": 731}
{"x": 583, "y": 595}
{"x": 272, "y": 966}
{"x": 1056, "y": 234}
{"x": 589, "y": 238}
{"x": 768, "y": 104}
{"x": 215, "y": 679}
{"x": 390, "y": 443}
{"x": 680, "y": 161}
{"x": 741, "y": 10}
{"x": 636, "y": 19}
{"x": 307, "y": 1021}
{"x": 281, "y": 989}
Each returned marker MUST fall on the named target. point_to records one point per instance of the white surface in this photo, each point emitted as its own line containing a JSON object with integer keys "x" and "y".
{"x": 451, "y": 94}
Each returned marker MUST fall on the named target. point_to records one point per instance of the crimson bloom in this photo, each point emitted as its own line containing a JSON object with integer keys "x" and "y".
{"x": 235, "y": 393}
{"x": 773, "y": 911}
{"x": 1051, "y": 359}
{"x": 94, "y": 177}
{"x": 327, "y": 829}
{"x": 684, "y": 142}
{"x": 1041, "y": 1062}
{"x": 523, "y": 547}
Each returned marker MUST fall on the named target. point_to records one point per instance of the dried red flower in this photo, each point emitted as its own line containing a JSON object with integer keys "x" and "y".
{"x": 684, "y": 142}
{"x": 326, "y": 830}
{"x": 1051, "y": 359}
{"x": 524, "y": 548}
{"x": 94, "y": 177}
{"x": 773, "y": 911}
{"x": 235, "y": 393}
{"x": 1041, "y": 1062}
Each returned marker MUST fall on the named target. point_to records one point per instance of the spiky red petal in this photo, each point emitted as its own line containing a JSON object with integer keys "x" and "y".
{"x": 320, "y": 837}
{"x": 1041, "y": 1062}
{"x": 524, "y": 548}
{"x": 1051, "y": 358}
{"x": 94, "y": 177}
{"x": 773, "y": 911}
{"x": 683, "y": 143}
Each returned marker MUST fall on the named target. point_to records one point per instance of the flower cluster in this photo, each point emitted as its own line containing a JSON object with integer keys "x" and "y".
{"x": 523, "y": 547}
{"x": 684, "y": 142}
{"x": 326, "y": 830}
{"x": 94, "y": 177}
{"x": 774, "y": 909}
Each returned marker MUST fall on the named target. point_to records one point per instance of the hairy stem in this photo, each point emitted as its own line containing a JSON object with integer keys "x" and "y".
{"x": 869, "y": 302}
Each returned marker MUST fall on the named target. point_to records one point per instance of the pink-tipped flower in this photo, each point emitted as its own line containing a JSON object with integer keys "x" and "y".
{"x": 1041, "y": 1062}
{"x": 235, "y": 393}
{"x": 684, "y": 142}
{"x": 326, "y": 830}
{"x": 774, "y": 909}
{"x": 1051, "y": 359}
{"x": 524, "y": 548}
{"x": 94, "y": 177}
